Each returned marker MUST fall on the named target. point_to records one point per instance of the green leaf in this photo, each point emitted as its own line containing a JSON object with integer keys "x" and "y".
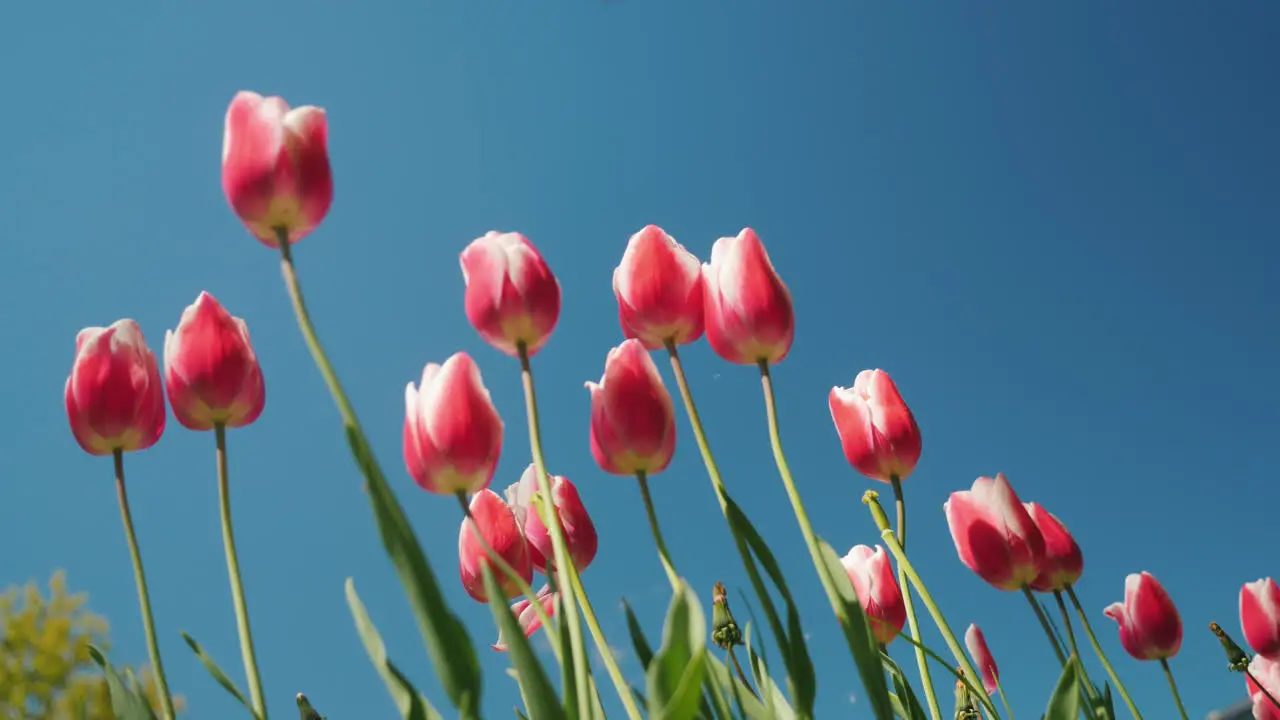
{"x": 408, "y": 701}
{"x": 644, "y": 652}
{"x": 770, "y": 693}
{"x": 1105, "y": 709}
{"x": 568, "y": 671}
{"x": 906, "y": 704}
{"x": 718, "y": 673}
{"x": 449, "y": 645}
{"x": 126, "y": 703}
{"x": 674, "y": 678}
{"x": 218, "y": 675}
{"x": 857, "y": 632}
{"x": 539, "y": 695}
{"x": 1064, "y": 704}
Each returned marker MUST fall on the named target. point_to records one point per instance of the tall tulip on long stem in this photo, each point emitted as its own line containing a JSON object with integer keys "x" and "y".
{"x": 1150, "y": 626}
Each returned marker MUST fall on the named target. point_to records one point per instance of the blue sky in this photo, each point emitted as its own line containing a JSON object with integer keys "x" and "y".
{"x": 1054, "y": 225}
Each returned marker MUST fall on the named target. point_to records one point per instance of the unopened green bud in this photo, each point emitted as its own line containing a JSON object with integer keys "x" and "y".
{"x": 871, "y": 499}
{"x": 724, "y": 631}
{"x": 305, "y": 711}
{"x": 1237, "y": 659}
{"x": 965, "y": 709}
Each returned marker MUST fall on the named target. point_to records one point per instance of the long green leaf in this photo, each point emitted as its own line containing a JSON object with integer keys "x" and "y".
{"x": 411, "y": 704}
{"x": 446, "y": 638}
{"x": 126, "y": 702}
{"x": 719, "y": 674}
{"x": 857, "y": 631}
{"x": 644, "y": 652}
{"x": 1064, "y": 704}
{"x": 674, "y": 677}
{"x": 907, "y": 705}
{"x": 218, "y": 675}
{"x": 535, "y": 686}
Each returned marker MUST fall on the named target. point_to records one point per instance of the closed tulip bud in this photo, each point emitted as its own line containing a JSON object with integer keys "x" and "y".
{"x": 1063, "y": 562}
{"x": 659, "y": 290}
{"x": 1267, "y": 672}
{"x": 976, "y": 642}
{"x": 114, "y": 395}
{"x": 500, "y": 529}
{"x": 527, "y": 615}
{"x": 211, "y": 373}
{"x": 633, "y": 427}
{"x": 877, "y": 431}
{"x": 994, "y": 535}
{"x": 749, "y": 317}
{"x": 511, "y": 298}
{"x": 275, "y": 166}
{"x": 452, "y": 432}
{"x": 1260, "y": 617}
{"x": 877, "y": 590}
{"x": 1150, "y": 627}
{"x": 579, "y": 531}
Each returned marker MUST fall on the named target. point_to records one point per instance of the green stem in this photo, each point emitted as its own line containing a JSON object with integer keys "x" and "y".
{"x": 1173, "y": 687}
{"x": 957, "y": 651}
{"x": 1097, "y": 648}
{"x": 564, "y": 562}
{"x": 505, "y": 568}
{"x": 935, "y": 710}
{"x": 610, "y": 662}
{"x": 144, "y": 597}
{"x": 742, "y": 677}
{"x": 1044, "y": 624}
{"x": 1249, "y": 674}
{"x": 674, "y": 578}
{"x": 1004, "y": 701}
{"x": 233, "y": 572}
{"x": 1071, "y": 638}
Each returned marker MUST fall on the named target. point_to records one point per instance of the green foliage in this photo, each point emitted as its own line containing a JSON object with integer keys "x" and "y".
{"x": 46, "y": 669}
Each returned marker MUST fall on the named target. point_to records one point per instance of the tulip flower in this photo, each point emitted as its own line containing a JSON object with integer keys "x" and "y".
{"x": 1063, "y": 562}
{"x": 877, "y": 590}
{"x": 1150, "y": 627}
{"x": 1267, "y": 672}
{"x": 512, "y": 299}
{"x": 500, "y": 529}
{"x": 994, "y": 535}
{"x": 877, "y": 431}
{"x": 659, "y": 290}
{"x": 114, "y": 395}
{"x": 211, "y": 373}
{"x": 749, "y": 318}
{"x": 579, "y": 531}
{"x": 976, "y": 642}
{"x": 527, "y": 615}
{"x": 275, "y": 166}
{"x": 452, "y": 432}
{"x": 633, "y": 427}
{"x": 1260, "y": 617}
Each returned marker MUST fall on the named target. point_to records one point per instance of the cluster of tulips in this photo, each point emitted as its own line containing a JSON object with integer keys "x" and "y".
{"x": 277, "y": 179}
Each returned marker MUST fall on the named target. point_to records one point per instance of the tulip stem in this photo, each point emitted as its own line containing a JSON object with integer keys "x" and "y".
{"x": 565, "y": 568}
{"x": 674, "y": 578}
{"x": 926, "y": 681}
{"x": 144, "y": 597}
{"x": 1173, "y": 687}
{"x": 1004, "y": 701}
{"x": 1097, "y": 648}
{"x": 1044, "y": 624}
{"x": 1075, "y": 649}
{"x": 742, "y": 677}
{"x": 233, "y": 572}
{"x": 505, "y": 568}
{"x": 1249, "y": 674}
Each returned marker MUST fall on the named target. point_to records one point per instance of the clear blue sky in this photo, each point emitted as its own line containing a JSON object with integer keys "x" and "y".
{"x": 1055, "y": 226}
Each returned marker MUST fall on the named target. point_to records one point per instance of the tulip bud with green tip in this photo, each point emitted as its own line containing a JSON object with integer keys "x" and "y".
{"x": 305, "y": 711}
{"x": 965, "y": 709}
{"x": 724, "y": 631}
{"x": 1237, "y": 659}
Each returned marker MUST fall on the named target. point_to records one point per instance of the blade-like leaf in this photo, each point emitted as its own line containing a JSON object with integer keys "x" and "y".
{"x": 857, "y": 632}
{"x": 744, "y": 698}
{"x": 218, "y": 675}
{"x": 540, "y": 696}
{"x": 1064, "y": 704}
{"x": 126, "y": 703}
{"x": 408, "y": 701}
{"x": 644, "y": 652}
{"x": 906, "y": 704}
{"x": 674, "y": 677}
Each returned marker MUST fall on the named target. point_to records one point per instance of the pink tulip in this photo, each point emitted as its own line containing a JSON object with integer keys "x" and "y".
{"x": 114, "y": 395}
{"x": 976, "y": 642}
{"x": 749, "y": 318}
{"x": 1063, "y": 562}
{"x": 1150, "y": 627}
{"x": 452, "y": 432}
{"x": 527, "y": 615}
{"x": 512, "y": 298}
{"x": 994, "y": 535}
{"x": 633, "y": 427}
{"x": 877, "y": 589}
{"x": 500, "y": 529}
{"x": 876, "y": 428}
{"x": 1267, "y": 671}
{"x": 211, "y": 373}
{"x": 579, "y": 531}
{"x": 659, "y": 290}
{"x": 1260, "y": 617}
{"x": 275, "y": 166}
